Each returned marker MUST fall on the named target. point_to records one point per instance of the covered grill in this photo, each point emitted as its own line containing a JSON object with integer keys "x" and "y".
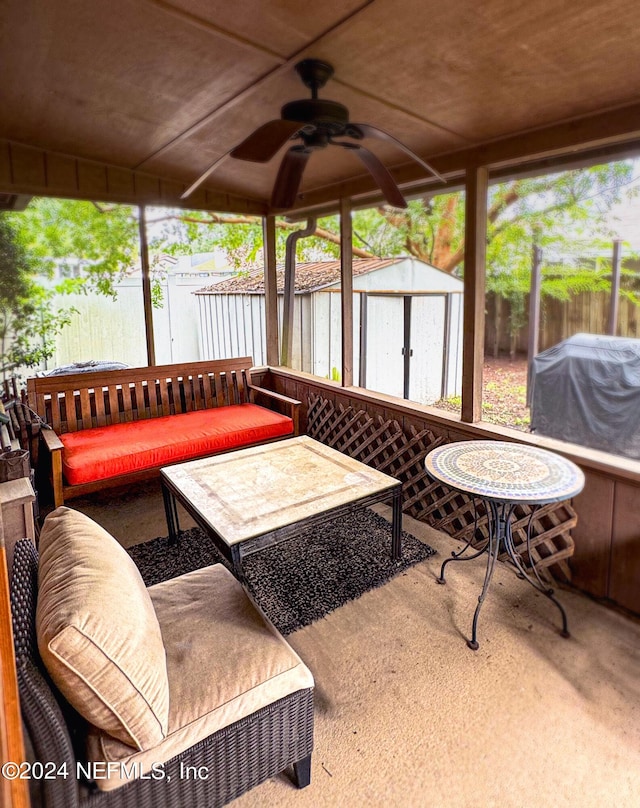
{"x": 586, "y": 390}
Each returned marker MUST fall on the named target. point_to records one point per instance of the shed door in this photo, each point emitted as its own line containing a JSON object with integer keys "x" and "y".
{"x": 427, "y": 348}
{"x": 384, "y": 344}
{"x": 405, "y": 345}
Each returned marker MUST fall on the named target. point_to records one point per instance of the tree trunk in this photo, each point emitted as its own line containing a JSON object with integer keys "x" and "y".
{"x": 497, "y": 318}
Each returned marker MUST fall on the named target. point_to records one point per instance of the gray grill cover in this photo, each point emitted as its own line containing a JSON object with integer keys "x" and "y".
{"x": 586, "y": 390}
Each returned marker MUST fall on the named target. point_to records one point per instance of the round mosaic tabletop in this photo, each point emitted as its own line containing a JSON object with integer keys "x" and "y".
{"x": 510, "y": 472}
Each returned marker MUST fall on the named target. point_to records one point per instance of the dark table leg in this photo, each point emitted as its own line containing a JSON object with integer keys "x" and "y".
{"x": 236, "y": 563}
{"x": 499, "y": 516}
{"x": 498, "y": 522}
{"x": 535, "y": 581}
{"x": 460, "y": 555}
{"x": 396, "y": 525}
{"x": 171, "y": 514}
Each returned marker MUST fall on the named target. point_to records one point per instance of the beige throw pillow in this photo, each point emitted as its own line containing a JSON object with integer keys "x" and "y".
{"x": 97, "y": 630}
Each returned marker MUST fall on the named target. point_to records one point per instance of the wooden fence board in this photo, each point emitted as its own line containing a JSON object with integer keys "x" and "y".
{"x": 583, "y": 313}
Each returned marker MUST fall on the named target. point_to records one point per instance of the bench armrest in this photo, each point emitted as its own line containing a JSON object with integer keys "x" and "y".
{"x": 292, "y": 404}
{"x": 51, "y": 440}
{"x": 54, "y": 446}
{"x": 273, "y": 394}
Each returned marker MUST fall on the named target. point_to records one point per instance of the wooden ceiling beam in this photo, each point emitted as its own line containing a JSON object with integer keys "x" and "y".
{"x": 206, "y": 25}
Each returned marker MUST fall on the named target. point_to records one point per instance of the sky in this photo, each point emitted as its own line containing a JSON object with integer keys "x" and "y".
{"x": 625, "y": 218}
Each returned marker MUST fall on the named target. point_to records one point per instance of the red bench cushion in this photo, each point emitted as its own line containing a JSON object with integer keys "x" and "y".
{"x": 110, "y": 451}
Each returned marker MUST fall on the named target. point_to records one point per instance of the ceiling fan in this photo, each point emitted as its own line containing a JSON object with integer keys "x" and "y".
{"x": 317, "y": 123}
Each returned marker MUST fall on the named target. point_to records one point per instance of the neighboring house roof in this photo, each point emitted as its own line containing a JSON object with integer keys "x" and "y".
{"x": 210, "y": 265}
{"x": 309, "y": 277}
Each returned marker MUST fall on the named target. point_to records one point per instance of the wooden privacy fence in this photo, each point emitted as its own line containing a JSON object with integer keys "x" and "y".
{"x": 586, "y": 313}
{"x": 384, "y": 445}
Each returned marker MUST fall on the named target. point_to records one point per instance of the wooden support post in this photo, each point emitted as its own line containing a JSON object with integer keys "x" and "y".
{"x": 346, "y": 285}
{"x": 362, "y": 344}
{"x": 534, "y": 313}
{"x": 146, "y": 287}
{"x": 270, "y": 289}
{"x": 615, "y": 287}
{"x": 475, "y": 241}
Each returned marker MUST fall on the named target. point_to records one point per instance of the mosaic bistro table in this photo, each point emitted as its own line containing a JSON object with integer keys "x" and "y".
{"x": 503, "y": 475}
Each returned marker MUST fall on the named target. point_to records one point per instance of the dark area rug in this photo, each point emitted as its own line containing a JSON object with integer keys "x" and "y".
{"x": 303, "y": 579}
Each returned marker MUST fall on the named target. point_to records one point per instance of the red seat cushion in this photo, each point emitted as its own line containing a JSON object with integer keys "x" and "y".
{"x": 109, "y": 451}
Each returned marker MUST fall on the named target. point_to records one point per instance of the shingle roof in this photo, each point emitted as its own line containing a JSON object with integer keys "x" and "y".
{"x": 309, "y": 276}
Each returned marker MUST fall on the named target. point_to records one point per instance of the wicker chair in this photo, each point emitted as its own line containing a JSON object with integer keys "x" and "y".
{"x": 236, "y": 758}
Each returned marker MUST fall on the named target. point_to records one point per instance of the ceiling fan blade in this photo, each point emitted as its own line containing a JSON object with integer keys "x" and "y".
{"x": 262, "y": 144}
{"x": 379, "y": 172}
{"x": 289, "y": 177}
{"x": 373, "y": 131}
{"x": 197, "y": 183}
{"x": 259, "y": 147}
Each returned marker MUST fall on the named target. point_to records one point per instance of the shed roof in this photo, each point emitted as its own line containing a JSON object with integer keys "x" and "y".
{"x": 309, "y": 276}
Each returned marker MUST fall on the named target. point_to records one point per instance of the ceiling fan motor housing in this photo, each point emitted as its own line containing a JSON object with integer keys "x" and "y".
{"x": 327, "y": 115}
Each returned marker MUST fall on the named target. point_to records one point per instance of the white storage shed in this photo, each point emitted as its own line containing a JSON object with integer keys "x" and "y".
{"x": 407, "y": 324}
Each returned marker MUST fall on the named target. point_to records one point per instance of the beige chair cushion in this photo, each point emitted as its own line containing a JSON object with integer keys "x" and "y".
{"x": 224, "y": 659}
{"x": 97, "y": 631}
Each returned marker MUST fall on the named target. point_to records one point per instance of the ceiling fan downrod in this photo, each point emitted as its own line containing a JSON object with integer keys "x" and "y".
{"x": 314, "y": 74}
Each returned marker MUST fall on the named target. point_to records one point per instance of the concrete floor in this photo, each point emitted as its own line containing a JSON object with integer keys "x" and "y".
{"x": 407, "y": 715}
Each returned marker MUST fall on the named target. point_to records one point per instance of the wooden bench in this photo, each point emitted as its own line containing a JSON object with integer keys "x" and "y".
{"x": 114, "y": 405}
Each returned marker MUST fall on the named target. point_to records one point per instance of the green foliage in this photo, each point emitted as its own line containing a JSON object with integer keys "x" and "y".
{"x": 101, "y": 240}
{"x": 417, "y": 231}
{"x": 239, "y": 241}
{"x": 565, "y": 214}
{"x": 28, "y": 322}
{"x": 182, "y": 234}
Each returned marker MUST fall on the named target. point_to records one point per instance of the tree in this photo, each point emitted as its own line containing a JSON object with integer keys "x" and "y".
{"x": 101, "y": 240}
{"x": 180, "y": 232}
{"x": 559, "y": 209}
{"x": 553, "y": 209}
{"x": 28, "y": 323}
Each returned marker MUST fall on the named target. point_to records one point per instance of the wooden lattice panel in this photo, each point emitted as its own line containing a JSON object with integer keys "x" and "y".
{"x": 377, "y": 442}
{"x": 384, "y": 445}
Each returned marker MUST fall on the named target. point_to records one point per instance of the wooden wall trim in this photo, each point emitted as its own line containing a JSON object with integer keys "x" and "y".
{"x": 592, "y": 460}
{"x": 29, "y": 170}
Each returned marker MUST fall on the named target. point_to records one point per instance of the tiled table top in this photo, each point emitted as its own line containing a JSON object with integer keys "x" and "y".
{"x": 509, "y": 472}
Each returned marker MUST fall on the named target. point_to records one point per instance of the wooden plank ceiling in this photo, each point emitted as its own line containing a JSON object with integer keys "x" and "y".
{"x": 165, "y": 88}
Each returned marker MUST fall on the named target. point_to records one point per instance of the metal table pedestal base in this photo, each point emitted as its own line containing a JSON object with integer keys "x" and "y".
{"x": 501, "y": 540}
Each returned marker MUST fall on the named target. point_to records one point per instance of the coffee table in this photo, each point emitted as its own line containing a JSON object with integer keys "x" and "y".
{"x": 253, "y": 498}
